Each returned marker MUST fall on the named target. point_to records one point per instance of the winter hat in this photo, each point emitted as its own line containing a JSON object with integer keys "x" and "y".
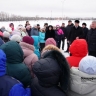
{"x": 50, "y": 41}
{"x": 88, "y": 65}
{"x": 6, "y": 34}
{"x": 77, "y": 21}
{"x": 84, "y": 24}
{"x": 1, "y": 34}
{"x": 9, "y": 30}
{"x": 16, "y": 38}
{"x": 28, "y": 39}
{"x": 16, "y": 32}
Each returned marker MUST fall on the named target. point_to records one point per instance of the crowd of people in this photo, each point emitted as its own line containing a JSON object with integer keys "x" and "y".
{"x": 32, "y": 64}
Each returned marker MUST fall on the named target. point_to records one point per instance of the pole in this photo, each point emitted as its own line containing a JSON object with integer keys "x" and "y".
{"x": 62, "y": 9}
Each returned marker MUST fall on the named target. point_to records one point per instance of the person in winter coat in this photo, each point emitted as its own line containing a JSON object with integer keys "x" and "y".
{"x": 28, "y": 49}
{"x": 91, "y": 39}
{"x": 68, "y": 29}
{"x": 11, "y": 25}
{"x": 34, "y": 31}
{"x": 78, "y": 50}
{"x": 83, "y": 79}
{"x": 15, "y": 66}
{"x": 50, "y": 41}
{"x": 52, "y": 73}
{"x": 75, "y": 33}
{"x": 28, "y": 30}
{"x": 60, "y": 35}
{"x": 9, "y": 86}
{"x": 85, "y": 30}
{"x": 50, "y": 33}
{"x": 42, "y": 39}
{"x": 64, "y": 35}
{"x": 6, "y": 36}
{"x": 36, "y": 45}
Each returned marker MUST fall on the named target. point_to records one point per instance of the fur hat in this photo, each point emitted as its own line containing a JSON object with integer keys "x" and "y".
{"x": 9, "y": 30}
{"x": 50, "y": 41}
{"x": 28, "y": 39}
{"x": 16, "y": 38}
{"x": 88, "y": 65}
{"x": 6, "y": 34}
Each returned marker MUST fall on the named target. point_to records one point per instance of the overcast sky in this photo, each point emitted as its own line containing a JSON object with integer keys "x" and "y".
{"x": 48, "y": 8}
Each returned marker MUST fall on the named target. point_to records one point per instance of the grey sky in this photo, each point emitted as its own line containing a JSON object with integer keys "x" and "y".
{"x": 71, "y": 8}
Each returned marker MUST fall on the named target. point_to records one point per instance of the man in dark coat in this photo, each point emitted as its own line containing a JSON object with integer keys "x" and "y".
{"x": 75, "y": 33}
{"x": 68, "y": 29}
{"x": 91, "y": 39}
{"x": 85, "y": 30}
{"x": 63, "y": 37}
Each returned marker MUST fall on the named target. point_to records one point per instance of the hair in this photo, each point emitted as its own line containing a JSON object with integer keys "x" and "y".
{"x": 63, "y": 23}
{"x": 84, "y": 24}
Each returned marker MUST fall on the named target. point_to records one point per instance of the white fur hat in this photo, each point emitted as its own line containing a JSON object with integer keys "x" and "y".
{"x": 9, "y": 30}
{"x": 88, "y": 65}
{"x": 6, "y": 34}
{"x": 16, "y": 38}
{"x": 35, "y": 25}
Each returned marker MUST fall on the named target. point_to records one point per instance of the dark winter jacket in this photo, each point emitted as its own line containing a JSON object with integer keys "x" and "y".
{"x": 85, "y": 30}
{"x": 75, "y": 32}
{"x": 68, "y": 29}
{"x": 50, "y": 33}
{"x": 8, "y": 85}
{"x": 34, "y": 32}
{"x": 64, "y": 31}
{"x": 15, "y": 66}
{"x": 91, "y": 40}
{"x": 28, "y": 31}
{"x": 50, "y": 80}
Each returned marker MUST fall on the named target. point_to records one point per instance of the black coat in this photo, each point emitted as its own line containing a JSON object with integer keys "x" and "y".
{"x": 49, "y": 72}
{"x": 64, "y": 31}
{"x": 68, "y": 29}
{"x": 28, "y": 31}
{"x": 50, "y": 34}
{"x": 75, "y": 32}
{"x": 91, "y": 39}
{"x": 85, "y": 30}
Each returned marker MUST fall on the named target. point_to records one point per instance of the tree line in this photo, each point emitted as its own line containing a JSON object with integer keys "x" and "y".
{"x": 7, "y": 17}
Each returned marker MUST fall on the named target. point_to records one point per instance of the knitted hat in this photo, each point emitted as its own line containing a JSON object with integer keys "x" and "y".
{"x": 50, "y": 41}
{"x": 6, "y": 34}
{"x": 28, "y": 39}
{"x": 88, "y": 65}
{"x": 16, "y": 38}
{"x": 1, "y": 34}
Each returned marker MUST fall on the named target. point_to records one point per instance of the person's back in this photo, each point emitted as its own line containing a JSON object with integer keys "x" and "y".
{"x": 29, "y": 56}
{"x": 15, "y": 66}
{"x": 9, "y": 86}
{"x": 78, "y": 50}
{"x": 83, "y": 78}
{"x": 49, "y": 80}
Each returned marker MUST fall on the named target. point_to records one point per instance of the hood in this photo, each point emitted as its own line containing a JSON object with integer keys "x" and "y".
{"x": 2, "y": 63}
{"x": 27, "y": 48}
{"x": 50, "y": 47}
{"x": 13, "y": 52}
{"x": 36, "y": 41}
{"x": 53, "y": 52}
{"x": 79, "y": 48}
{"x": 1, "y": 42}
{"x": 82, "y": 83}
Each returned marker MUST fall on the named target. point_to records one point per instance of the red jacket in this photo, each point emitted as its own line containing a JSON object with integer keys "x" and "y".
{"x": 78, "y": 49}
